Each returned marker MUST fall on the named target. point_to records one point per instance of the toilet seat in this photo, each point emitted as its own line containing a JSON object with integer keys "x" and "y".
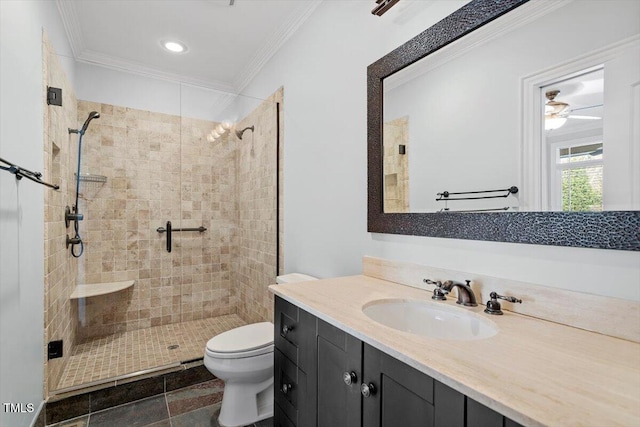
{"x": 246, "y": 341}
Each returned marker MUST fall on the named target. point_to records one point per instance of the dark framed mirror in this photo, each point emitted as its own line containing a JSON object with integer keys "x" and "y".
{"x": 604, "y": 229}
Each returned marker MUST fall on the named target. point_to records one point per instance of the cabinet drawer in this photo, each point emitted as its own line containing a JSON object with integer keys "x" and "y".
{"x": 287, "y": 326}
{"x": 290, "y": 386}
{"x": 294, "y": 333}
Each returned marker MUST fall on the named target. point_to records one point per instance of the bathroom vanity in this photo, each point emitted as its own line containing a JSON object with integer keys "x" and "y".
{"x": 327, "y": 377}
{"x": 335, "y": 366}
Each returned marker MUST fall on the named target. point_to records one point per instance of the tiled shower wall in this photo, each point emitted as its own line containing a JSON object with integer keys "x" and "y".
{"x": 396, "y": 165}
{"x": 255, "y": 267}
{"x": 60, "y": 151}
{"x": 159, "y": 168}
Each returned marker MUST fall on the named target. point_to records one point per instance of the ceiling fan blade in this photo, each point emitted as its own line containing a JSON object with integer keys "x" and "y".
{"x": 571, "y": 116}
{"x": 587, "y": 107}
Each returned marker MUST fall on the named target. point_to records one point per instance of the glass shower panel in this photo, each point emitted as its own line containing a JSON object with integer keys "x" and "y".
{"x": 143, "y": 165}
{"x": 60, "y": 154}
{"x": 209, "y": 200}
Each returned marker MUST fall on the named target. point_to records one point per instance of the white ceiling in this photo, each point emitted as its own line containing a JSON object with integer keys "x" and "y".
{"x": 227, "y": 45}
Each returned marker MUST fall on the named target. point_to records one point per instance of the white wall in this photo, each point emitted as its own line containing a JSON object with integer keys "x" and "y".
{"x": 454, "y": 142}
{"x": 22, "y": 203}
{"x": 116, "y": 87}
{"x": 323, "y": 71}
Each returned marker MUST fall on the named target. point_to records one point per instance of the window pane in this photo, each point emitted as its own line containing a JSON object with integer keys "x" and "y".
{"x": 582, "y": 189}
{"x": 580, "y": 153}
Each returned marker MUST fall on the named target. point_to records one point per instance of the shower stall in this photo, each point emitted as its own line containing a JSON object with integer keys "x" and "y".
{"x": 118, "y": 303}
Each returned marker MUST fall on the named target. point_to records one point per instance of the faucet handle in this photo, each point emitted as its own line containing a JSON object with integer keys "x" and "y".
{"x": 493, "y": 306}
{"x": 439, "y": 292}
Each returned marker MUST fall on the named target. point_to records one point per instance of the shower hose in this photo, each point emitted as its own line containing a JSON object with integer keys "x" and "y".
{"x": 76, "y": 225}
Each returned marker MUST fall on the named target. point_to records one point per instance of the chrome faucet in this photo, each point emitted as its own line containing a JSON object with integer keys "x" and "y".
{"x": 466, "y": 296}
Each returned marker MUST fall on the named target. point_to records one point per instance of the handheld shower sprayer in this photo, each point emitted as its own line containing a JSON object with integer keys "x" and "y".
{"x": 83, "y": 129}
{"x": 72, "y": 214}
{"x": 92, "y": 115}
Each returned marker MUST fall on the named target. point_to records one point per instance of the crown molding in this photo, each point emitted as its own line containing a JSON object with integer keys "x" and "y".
{"x": 71, "y": 24}
{"x": 274, "y": 43}
{"x": 118, "y": 64}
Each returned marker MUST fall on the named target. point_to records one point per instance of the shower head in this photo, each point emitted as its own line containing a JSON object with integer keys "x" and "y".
{"x": 92, "y": 115}
{"x": 240, "y": 132}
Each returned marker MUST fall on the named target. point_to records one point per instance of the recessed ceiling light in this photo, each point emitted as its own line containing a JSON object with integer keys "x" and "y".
{"x": 174, "y": 46}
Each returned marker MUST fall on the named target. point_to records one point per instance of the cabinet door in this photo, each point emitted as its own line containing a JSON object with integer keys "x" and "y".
{"x": 338, "y": 403}
{"x": 449, "y": 406}
{"x": 399, "y": 394}
{"x": 479, "y": 415}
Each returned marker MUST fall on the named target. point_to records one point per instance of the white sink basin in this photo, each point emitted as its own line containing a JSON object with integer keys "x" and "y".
{"x": 429, "y": 319}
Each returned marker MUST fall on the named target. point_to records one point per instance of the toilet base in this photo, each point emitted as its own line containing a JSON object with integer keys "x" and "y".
{"x": 242, "y": 405}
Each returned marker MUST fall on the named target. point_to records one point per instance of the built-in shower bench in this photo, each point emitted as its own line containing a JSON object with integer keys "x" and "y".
{"x": 95, "y": 289}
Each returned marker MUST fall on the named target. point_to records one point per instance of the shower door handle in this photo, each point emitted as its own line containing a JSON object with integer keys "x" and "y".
{"x": 168, "y": 236}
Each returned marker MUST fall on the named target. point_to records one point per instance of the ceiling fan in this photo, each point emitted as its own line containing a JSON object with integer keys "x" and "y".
{"x": 556, "y": 113}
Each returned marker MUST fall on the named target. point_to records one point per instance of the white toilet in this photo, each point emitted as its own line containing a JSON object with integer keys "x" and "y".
{"x": 243, "y": 359}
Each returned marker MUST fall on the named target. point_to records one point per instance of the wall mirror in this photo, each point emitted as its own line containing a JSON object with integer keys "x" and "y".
{"x": 512, "y": 121}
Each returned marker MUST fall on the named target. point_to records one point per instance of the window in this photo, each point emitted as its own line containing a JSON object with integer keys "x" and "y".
{"x": 576, "y": 183}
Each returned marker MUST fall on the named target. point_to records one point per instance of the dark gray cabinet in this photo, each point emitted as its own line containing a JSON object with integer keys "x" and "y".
{"x": 325, "y": 377}
{"x": 404, "y": 396}
{"x": 338, "y": 356}
{"x": 294, "y": 358}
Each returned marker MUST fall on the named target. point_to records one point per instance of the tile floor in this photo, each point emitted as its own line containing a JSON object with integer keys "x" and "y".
{"x": 102, "y": 359}
{"x": 159, "y": 411}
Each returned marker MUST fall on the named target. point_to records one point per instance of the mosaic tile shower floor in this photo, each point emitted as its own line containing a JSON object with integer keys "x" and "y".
{"x": 124, "y": 353}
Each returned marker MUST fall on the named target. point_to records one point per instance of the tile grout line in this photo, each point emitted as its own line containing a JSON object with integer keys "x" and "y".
{"x": 123, "y": 404}
{"x": 166, "y": 402}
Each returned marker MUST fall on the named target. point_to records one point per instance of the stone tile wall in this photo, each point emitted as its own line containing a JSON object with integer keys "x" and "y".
{"x": 396, "y": 165}
{"x": 208, "y": 198}
{"x": 60, "y": 151}
{"x": 159, "y": 168}
{"x": 255, "y": 261}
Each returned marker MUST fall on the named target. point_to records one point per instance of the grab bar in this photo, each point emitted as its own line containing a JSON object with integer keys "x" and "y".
{"x": 445, "y": 194}
{"x": 169, "y": 229}
{"x": 169, "y": 236}
{"x": 21, "y": 172}
{"x": 447, "y": 210}
{"x": 200, "y": 229}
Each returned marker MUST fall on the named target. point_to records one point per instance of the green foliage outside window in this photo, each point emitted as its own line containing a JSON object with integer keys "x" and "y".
{"x": 579, "y": 192}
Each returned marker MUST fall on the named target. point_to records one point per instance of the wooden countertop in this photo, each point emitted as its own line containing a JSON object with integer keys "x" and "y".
{"x": 535, "y": 372}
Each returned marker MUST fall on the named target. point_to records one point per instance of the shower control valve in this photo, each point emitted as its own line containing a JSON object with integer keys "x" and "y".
{"x": 71, "y": 216}
{"x": 73, "y": 241}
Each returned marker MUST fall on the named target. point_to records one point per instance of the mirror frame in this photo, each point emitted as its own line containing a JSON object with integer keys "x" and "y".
{"x": 602, "y": 230}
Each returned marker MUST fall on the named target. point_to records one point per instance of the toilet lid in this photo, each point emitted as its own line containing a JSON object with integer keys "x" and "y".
{"x": 242, "y": 339}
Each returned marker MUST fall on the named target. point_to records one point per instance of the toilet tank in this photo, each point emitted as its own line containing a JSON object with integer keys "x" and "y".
{"x": 294, "y": 277}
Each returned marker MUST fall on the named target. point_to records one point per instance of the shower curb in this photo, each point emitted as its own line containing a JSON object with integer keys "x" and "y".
{"x": 128, "y": 388}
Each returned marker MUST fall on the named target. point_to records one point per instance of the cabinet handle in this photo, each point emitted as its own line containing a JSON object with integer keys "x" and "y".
{"x": 286, "y": 329}
{"x": 368, "y": 389}
{"x": 349, "y": 378}
{"x": 286, "y": 388}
